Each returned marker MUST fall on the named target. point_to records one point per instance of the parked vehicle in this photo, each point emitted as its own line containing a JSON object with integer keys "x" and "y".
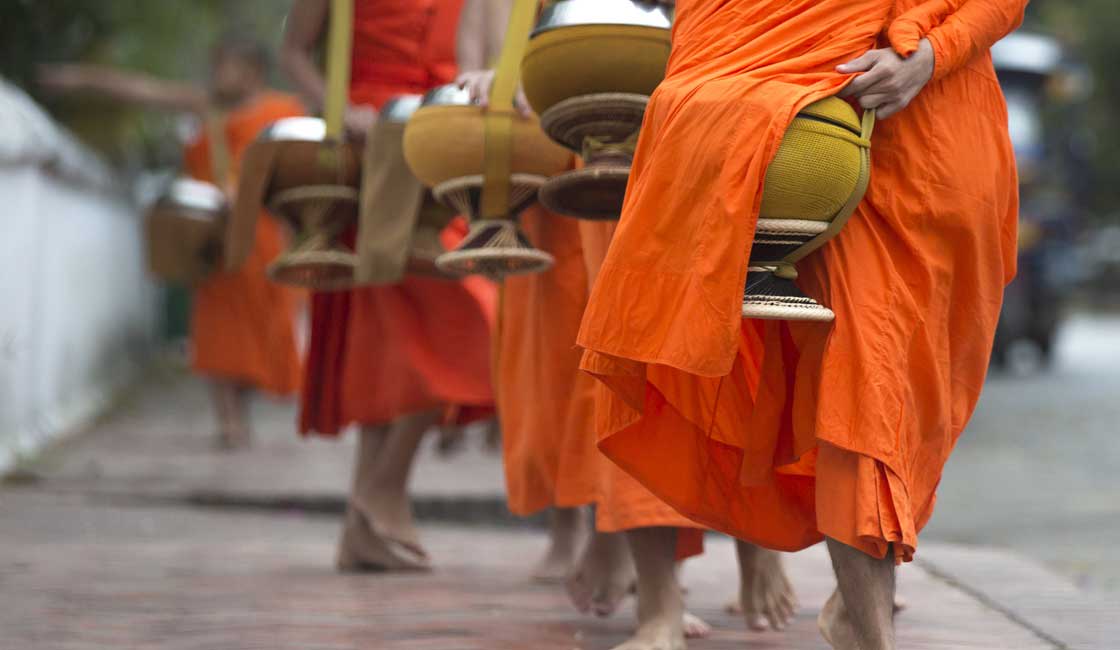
{"x": 1032, "y": 71}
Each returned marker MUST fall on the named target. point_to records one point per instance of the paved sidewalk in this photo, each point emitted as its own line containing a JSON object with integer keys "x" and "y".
{"x": 138, "y": 535}
{"x": 159, "y": 446}
{"x": 81, "y": 573}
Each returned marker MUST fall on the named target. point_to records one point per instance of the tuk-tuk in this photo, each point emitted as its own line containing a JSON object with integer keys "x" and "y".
{"x": 1032, "y": 72}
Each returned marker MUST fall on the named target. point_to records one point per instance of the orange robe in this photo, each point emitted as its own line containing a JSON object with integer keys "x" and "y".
{"x": 378, "y": 353}
{"x": 546, "y": 403}
{"x": 777, "y": 432}
{"x": 242, "y": 324}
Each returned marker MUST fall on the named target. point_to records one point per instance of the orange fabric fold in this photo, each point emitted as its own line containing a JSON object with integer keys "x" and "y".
{"x": 546, "y": 404}
{"x": 781, "y": 433}
{"x": 242, "y": 324}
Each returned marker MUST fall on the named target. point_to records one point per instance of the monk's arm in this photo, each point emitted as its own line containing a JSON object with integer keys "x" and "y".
{"x": 971, "y": 31}
{"x": 305, "y": 26}
{"x": 132, "y": 87}
{"x": 482, "y": 30}
{"x": 470, "y": 42}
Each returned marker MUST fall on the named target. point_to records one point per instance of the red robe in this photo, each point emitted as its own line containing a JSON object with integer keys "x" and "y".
{"x": 378, "y": 353}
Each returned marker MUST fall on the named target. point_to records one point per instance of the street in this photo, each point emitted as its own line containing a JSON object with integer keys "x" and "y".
{"x": 1038, "y": 469}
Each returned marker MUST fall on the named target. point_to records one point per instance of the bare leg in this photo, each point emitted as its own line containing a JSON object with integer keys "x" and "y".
{"x": 232, "y": 432}
{"x": 383, "y": 494}
{"x": 567, "y": 530}
{"x": 242, "y": 402}
{"x": 604, "y": 575}
{"x": 860, "y": 614}
{"x": 694, "y": 626}
{"x": 380, "y": 533}
{"x": 766, "y": 597}
{"x": 660, "y": 606}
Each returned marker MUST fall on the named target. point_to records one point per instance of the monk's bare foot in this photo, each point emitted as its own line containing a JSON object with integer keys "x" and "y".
{"x": 694, "y": 626}
{"x": 390, "y": 515}
{"x": 452, "y": 440}
{"x": 735, "y": 608}
{"x": 362, "y": 548}
{"x": 567, "y": 532}
{"x": 493, "y": 438}
{"x": 835, "y": 626}
{"x": 656, "y": 636}
{"x": 233, "y": 438}
{"x": 766, "y": 597}
{"x": 604, "y": 575}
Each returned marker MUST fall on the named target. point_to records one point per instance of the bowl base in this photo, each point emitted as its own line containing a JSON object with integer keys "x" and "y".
{"x": 605, "y": 117}
{"x": 496, "y": 249}
{"x": 593, "y": 193}
{"x": 769, "y": 297}
{"x": 319, "y": 270}
{"x": 464, "y": 195}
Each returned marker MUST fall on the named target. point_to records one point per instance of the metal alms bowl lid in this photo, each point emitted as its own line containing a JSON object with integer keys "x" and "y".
{"x": 191, "y": 194}
{"x": 448, "y": 95}
{"x": 305, "y": 129}
{"x": 400, "y": 108}
{"x": 569, "y": 13}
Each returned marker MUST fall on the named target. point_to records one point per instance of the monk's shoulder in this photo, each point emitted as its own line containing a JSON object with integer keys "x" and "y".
{"x": 276, "y": 105}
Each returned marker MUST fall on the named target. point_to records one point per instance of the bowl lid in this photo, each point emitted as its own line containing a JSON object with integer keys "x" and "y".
{"x": 191, "y": 194}
{"x": 304, "y": 129}
{"x": 448, "y": 95}
{"x": 400, "y": 108}
{"x": 569, "y": 13}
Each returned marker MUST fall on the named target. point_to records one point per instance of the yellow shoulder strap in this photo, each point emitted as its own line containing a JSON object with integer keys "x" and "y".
{"x": 500, "y": 115}
{"x": 219, "y": 147}
{"x": 339, "y": 41}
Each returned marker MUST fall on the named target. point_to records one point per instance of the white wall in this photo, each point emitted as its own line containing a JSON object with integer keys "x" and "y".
{"x": 77, "y": 312}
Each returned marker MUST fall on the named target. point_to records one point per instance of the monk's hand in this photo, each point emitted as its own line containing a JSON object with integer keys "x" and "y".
{"x": 359, "y": 121}
{"x": 887, "y": 82}
{"x": 479, "y": 83}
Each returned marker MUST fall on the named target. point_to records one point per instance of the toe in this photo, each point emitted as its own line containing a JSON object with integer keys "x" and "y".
{"x": 605, "y": 601}
{"x": 579, "y": 593}
{"x": 694, "y": 626}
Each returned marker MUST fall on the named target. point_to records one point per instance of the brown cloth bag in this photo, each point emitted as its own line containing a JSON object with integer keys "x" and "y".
{"x": 390, "y": 206}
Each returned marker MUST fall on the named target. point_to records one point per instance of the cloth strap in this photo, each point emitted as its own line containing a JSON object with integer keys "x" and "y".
{"x": 498, "y": 166}
{"x": 339, "y": 42}
{"x": 219, "y": 147}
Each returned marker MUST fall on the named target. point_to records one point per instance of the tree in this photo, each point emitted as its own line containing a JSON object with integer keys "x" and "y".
{"x": 169, "y": 38}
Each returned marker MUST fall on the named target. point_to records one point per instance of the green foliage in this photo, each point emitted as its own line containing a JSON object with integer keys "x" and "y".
{"x": 168, "y": 38}
{"x": 1088, "y": 29}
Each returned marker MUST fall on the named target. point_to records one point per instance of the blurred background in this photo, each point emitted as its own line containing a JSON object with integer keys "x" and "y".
{"x": 1038, "y": 470}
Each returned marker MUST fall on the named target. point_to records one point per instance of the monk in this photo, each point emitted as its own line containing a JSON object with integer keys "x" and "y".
{"x": 531, "y": 407}
{"x": 550, "y": 456}
{"x": 242, "y": 325}
{"x": 391, "y": 359}
{"x": 786, "y": 433}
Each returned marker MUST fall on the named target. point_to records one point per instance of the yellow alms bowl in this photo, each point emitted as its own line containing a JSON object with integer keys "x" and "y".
{"x": 817, "y": 166}
{"x": 582, "y": 60}
{"x": 446, "y": 142}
